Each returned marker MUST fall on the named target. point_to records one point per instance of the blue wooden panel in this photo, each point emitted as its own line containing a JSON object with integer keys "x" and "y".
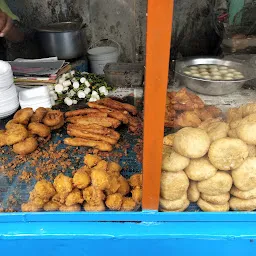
{"x": 145, "y": 216}
{"x": 128, "y": 238}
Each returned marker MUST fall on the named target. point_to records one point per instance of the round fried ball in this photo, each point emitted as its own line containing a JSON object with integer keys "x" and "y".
{"x": 29, "y": 207}
{"x": 208, "y": 207}
{"x": 172, "y": 205}
{"x": 227, "y": 153}
{"x": 128, "y": 204}
{"x": 217, "y": 130}
{"x": 193, "y": 193}
{"x": 114, "y": 202}
{"x": 51, "y": 206}
{"x": 39, "y": 129}
{"x": 91, "y": 160}
{"x": 219, "y": 184}
{"x": 81, "y": 179}
{"x": 135, "y": 180}
{"x": 232, "y": 133}
{"x": 238, "y": 204}
{"x": 219, "y": 199}
{"x": 100, "y": 179}
{"x": 200, "y": 169}
{"x": 25, "y": 147}
{"x": 74, "y": 197}
{"x": 63, "y": 184}
{"x": 248, "y": 109}
{"x": 172, "y": 161}
{"x": 44, "y": 190}
{"x": 247, "y": 133}
{"x": 174, "y": 185}
{"x": 16, "y": 134}
{"x": 73, "y": 208}
{"x": 137, "y": 195}
{"x": 244, "y": 176}
{"x": 251, "y": 150}
{"x": 124, "y": 188}
{"x": 191, "y": 142}
{"x": 94, "y": 208}
{"x": 249, "y": 194}
{"x": 185, "y": 206}
{"x": 93, "y": 195}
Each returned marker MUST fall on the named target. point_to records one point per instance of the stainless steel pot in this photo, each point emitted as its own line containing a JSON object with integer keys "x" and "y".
{"x": 63, "y": 40}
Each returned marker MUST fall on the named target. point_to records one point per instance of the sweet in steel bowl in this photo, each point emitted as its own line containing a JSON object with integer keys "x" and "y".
{"x": 213, "y": 87}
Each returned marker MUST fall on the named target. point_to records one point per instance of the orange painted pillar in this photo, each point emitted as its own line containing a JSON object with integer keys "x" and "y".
{"x": 159, "y": 27}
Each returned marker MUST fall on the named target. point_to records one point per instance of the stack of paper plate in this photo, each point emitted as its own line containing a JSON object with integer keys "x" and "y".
{"x": 9, "y": 102}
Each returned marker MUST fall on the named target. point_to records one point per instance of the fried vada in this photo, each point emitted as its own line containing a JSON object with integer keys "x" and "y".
{"x": 15, "y": 134}
{"x": 38, "y": 115}
{"x": 23, "y": 116}
{"x": 25, "y": 147}
{"x": 39, "y": 129}
{"x": 53, "y": 118}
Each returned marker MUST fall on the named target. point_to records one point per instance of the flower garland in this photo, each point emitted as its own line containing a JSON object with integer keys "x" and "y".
{"x": 74, "y": 86}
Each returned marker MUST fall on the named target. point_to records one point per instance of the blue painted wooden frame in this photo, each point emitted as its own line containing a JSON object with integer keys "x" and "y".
{"x": 144, "y": 216}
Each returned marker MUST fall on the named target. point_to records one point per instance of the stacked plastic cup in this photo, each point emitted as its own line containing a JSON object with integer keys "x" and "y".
{"x": 9, "y": 102}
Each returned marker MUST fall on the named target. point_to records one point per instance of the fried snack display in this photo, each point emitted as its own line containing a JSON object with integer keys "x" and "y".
{"x": 94, "y": 126}
{"x": 222, "y": 160}
{"x": 26, "y": 129}
{"x": 186, "y": 109}
{"x": 95, "y": 187}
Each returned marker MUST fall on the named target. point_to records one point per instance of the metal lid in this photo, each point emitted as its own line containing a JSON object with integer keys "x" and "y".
{"x": 61, "y": 27}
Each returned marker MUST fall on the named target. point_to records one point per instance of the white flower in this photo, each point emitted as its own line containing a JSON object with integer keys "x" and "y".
{"x": 59, "y": 88}
{"x": 71, "y": 93}
{"x": 106, "y": 93}
{"x": 102, "y": 89}
{"x": 76, "y": 85}
{"x": 73, "y": 80}
{"x": 87, "y": 84}
{"x": 52, "y": 93}
{"x": 81, "y": 94}
{"x": 67, "y": 83}
{"x": 82, "y": 80}
{"x": 92, "y": 99}
{"x": 94, "y": 94}
{"x": 87, "y": 90}
{"x": 68, "y": 101}
{"x": 74, "y": 102}
{"x": 62, "y": 80}
{"x": 72, "y": 73}
{"x": 65, "y": 89}
{"x": 52, "y": 101}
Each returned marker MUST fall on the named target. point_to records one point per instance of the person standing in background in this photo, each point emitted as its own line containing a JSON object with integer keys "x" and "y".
{"x": 8, "y": 28}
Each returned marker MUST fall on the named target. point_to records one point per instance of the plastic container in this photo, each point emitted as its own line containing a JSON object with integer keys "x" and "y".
{"x": 100, "y": 56}
{"x": 124, "y": 74}
{"x": 35, "y": 98}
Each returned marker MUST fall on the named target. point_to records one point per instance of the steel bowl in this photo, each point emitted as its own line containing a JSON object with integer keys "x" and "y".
{"x": 213, "y": 87}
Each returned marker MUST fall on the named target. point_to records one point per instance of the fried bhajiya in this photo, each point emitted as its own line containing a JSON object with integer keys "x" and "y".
{"x": 77, "y": 142}
{"x": 81, "y": 179}
{"x": 15, "y": 134}
{"x": 26, "y": 146}
{"x": 114, "y": 185}
{"x": 91, "y": 160}
{"x": 29, "y": 207}
{"x": 63, "y": 184}
{"x": 124, "y": 188}
{"x": 137, "y": 195}
{"x": 51, "y": 206}
{"x": 94, "y": 208}
{"x": 100, "y": 179}
{"x": 101, "y": 165}
{"x": 73, "y": 208}
{"x": 128, "y": 204}
{"x": 39, "y": 129}
{"x": 23, "y": 116}
{"x": 93, "y": 195}
{"x": 114, "y": 202}
{"x": 38, "y": 115}
{"x": 136, "y": 180}
{"x": 74, "y": 197}
{"x": 53, "y": 118}
{"x": 114, "y": 169}
{"x": 44, "y": 190}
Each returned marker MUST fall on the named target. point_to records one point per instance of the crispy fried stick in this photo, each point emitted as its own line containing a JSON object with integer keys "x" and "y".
{"x": 103, "y": 121}
{"x": 97, "y": 129}
{"x": 88, "y": 135}
{"x": 80, "y": 112}
{"x": 77, "y": 142}
{"x": 117, "y": 105}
